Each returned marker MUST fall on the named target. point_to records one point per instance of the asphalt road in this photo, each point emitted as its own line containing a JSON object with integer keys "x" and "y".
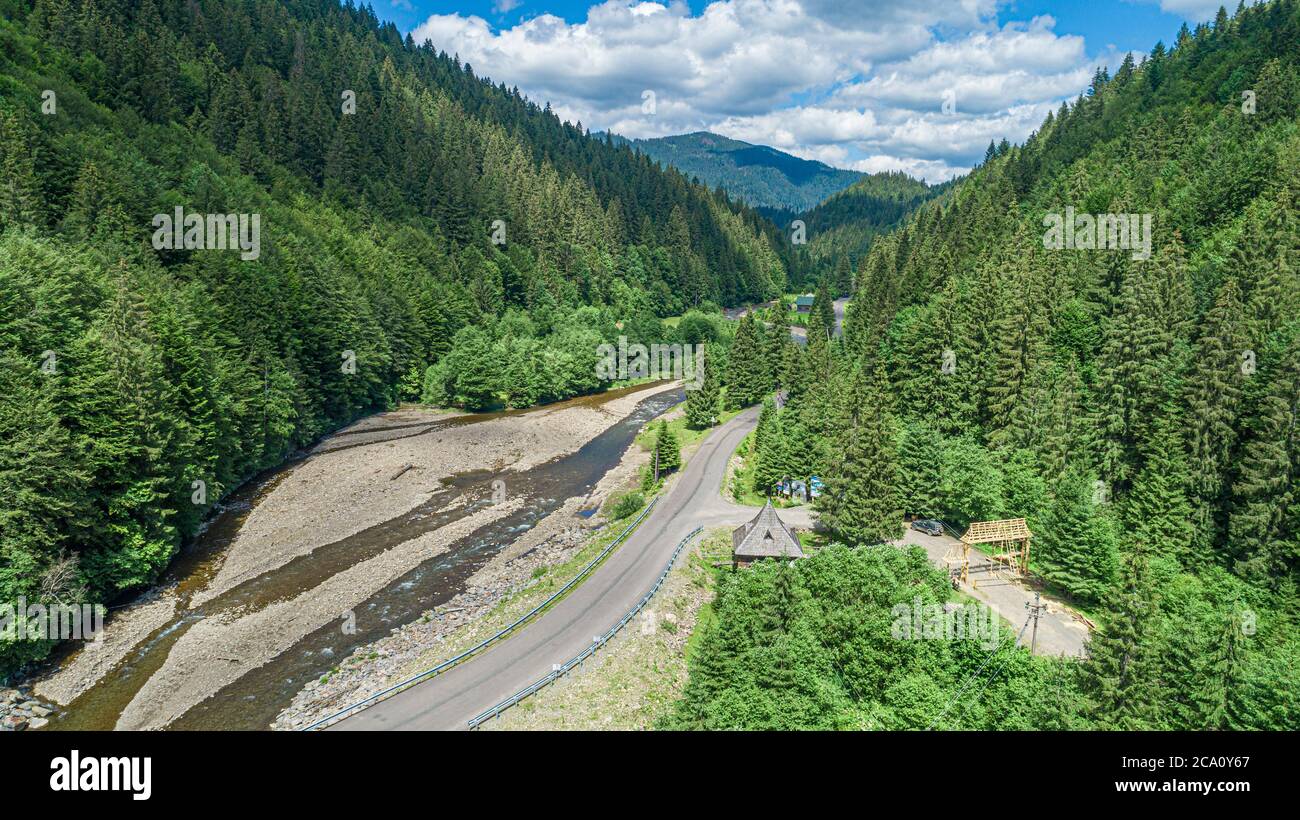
{"x": 1059, "y": 631}
{"x": 797, "y": 333}
{"x": 449, "y": 700}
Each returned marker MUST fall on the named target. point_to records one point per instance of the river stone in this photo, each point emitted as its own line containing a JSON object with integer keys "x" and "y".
{"x": 41, "y": 711}
{"x": 38, "y": 723}
{"x": 13, "y": 723}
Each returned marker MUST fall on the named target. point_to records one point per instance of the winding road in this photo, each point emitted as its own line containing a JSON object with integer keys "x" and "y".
{"x": 449, "y": 700}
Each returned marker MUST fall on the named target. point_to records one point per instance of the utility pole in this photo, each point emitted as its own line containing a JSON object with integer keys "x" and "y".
{"x": 1035, "y": 609}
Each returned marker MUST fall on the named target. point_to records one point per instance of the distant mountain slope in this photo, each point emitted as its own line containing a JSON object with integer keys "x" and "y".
{"x": 845, "y": 224}
{"x": 756, "y": 174}
{"x": 374, "y": 181}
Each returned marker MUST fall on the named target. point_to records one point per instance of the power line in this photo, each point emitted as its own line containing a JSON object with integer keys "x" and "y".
{"x": 972, "y": 678}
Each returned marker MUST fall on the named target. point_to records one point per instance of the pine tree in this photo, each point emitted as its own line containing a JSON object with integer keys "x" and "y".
{"x": 861, "y": 503}
{"x": 1122, "y": 653}
{"x": 702, "y": 401}
{"x": 920, "y": 456}
{"x": 667, "y": 451}
{"x": 746, "y": 371}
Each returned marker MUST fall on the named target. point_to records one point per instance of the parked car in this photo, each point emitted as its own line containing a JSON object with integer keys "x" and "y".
{"x": 928, "y": 526}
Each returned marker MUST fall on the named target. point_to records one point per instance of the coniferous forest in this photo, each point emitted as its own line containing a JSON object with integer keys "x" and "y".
{"x": 425, "y": 234}
{"x": 441, "y": 225}
{"x": 1140, "y": 414}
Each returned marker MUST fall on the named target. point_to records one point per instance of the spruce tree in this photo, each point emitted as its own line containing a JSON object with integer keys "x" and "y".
{"x": 772, "y": 456}
{"x": 778, "y": 339}
{"x": 843, "y": 277}
{"x": 1122, "y": 651}
{"x": 746, "y": 371}
{"x": 1263, "y": 488}
{"x": 1220, "y": 688}
{"x": 1076, "y": 545}
{"x": 702, "y": 402}
{"x": 920, "y": 456}
{"x": 861, "y": 503}
{"x": 1157, "y": 509}
{"x": 1213, "y": 404}
{"x": 667, "y": 455}
{"x": 824, "y": 305}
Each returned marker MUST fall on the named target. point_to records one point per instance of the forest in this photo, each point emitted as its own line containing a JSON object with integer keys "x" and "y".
{"x": 841, "y": 228}
{"x": 429, "y": 235}
{"x": 1140, "y": 414}
{"x": 417, "y": 221}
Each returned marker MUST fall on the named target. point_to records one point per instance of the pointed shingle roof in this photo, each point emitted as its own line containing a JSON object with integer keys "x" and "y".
{"x": 766, "y": 536}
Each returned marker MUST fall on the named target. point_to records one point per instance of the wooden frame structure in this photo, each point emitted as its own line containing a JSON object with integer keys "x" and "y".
{"x": 1012, "y": 537}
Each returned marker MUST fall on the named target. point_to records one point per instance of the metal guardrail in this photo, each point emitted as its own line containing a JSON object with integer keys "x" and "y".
{"x": 447, "y": 664}
{"x": 562, "y": 669}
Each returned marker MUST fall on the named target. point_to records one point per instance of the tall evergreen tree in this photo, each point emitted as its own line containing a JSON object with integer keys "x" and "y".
{"x": 702, "y": 401}
{"x": 1122, "y": 652}
{"x": 1262, "y": 491}
{"x": 667, "y": 455}
{"x": 1157, "y": 510}
{"x": 861, "y": 503}
{"x": 1213, "y": 404}
{"x": 1076, "y": 544}
{"x": 920, "y": 456}
{"x": 747, "y": 380}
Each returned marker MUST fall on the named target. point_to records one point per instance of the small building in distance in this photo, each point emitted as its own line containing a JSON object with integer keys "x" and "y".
{"x": 766, "y": 536}
{"x": 804, "y": 303}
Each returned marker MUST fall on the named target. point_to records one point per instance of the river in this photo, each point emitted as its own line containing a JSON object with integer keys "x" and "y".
{"x": 253, "y": 700}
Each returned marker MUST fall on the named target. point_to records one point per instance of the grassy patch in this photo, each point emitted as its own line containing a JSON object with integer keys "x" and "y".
{"x": 686, "y": 436}
{"x": 738, "y": 484}
{"x": 641, "y": 673}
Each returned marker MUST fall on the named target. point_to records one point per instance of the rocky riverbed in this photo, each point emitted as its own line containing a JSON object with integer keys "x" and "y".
{"x": 454, "y": 626}
{"x": 20, "y": 710}
{"x": 376, "y": 517}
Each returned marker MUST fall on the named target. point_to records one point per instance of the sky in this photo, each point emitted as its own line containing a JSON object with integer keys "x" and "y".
{"x": 920, "y": 86}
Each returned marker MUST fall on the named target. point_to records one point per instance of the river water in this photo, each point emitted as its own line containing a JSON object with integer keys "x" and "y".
{"x": 254, "y": 700}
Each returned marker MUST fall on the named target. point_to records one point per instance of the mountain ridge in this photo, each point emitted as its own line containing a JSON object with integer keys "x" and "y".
{"x": 759, "y": 175}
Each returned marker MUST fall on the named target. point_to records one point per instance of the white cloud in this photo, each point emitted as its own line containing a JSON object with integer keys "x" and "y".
{"x": 1198, "y": 10}
{"x": 856, "y": 85}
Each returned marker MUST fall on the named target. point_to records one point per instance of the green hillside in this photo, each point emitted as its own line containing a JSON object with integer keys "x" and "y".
{"x": 418, "y": 225}
{"x": 1142, "y": 413}
{"x": 756, "y": 174}
{"x": 841, "y": 229}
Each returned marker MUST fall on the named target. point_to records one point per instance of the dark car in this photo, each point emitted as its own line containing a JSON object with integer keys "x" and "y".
{"x": 928, "y": 526}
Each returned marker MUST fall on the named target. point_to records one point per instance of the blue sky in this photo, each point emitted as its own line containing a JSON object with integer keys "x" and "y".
{"x": 913, "y": 85}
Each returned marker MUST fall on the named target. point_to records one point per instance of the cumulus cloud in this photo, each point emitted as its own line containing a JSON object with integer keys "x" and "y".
{"x": 857, "y": 85}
